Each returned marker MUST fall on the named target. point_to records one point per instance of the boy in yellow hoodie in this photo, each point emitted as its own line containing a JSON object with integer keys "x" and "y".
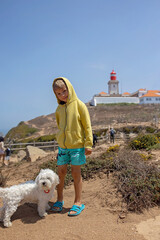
{"x": 74, "y": 138}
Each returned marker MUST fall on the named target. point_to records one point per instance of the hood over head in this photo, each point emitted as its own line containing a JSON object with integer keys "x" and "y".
{"x": 71, "y": 92}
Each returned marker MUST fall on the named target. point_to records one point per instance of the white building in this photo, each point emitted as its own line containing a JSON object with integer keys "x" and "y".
{"x": 151, "y": 97}
{"x": 108, "y": 100}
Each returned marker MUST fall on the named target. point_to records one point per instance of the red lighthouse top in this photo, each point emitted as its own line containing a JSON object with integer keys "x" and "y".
{"x": 113, "y": 75}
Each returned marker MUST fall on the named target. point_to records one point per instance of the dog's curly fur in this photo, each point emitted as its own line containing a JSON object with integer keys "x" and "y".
{"x": 39, "y": 191}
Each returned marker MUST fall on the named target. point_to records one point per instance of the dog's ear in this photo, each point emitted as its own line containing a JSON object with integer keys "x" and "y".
{"x": 38, "y": 176}
{"x": 37, "y": 179}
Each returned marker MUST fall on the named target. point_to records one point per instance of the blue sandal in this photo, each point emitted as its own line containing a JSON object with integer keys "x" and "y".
{"x": 77, "y": 209}
{"x": 58, "y": 205}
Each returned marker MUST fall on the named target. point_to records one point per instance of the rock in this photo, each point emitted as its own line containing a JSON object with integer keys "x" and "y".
{"x": 33, "y": 153}
{"x": 21, "y": 155}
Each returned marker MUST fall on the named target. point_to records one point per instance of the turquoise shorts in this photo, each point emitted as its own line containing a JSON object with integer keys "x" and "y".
{"x": 71, "y": 156}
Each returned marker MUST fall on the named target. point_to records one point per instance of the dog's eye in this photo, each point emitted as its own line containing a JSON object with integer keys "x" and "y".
{"x": 48, "y": 178}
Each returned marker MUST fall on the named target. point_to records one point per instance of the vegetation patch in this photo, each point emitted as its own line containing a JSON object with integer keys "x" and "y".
{"x": 46, "y": 138}
{"x": 21, "y": 131}
{"x": 127, "y": 130}
{"x": 113, "y": 148}
{"x": 137, "y": 181}
{"x": 145, "y": 157}
{"x": 144, "y": 142}
{"x": 101, "y": 132}
{"x": 155, "y": 147}
{"x": 150, "y": 129}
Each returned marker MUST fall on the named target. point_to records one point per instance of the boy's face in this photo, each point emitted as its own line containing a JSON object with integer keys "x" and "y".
{"x": 62, "y": 93}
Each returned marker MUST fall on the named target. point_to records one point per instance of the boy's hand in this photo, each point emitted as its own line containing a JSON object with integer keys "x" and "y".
{"x": 88, "y": 151}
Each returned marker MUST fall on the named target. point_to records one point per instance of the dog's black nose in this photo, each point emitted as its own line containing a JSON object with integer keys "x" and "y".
{"x": 44, "y": 183}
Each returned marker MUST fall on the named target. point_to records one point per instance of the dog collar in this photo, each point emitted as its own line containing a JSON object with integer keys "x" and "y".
{"x": 47, "y": 191}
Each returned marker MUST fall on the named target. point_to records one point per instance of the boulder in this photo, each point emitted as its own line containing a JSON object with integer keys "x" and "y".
{"x": 33, "y": 153}
{"x": 21, "y": 155}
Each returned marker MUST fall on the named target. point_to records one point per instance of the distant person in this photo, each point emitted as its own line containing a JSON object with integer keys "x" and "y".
{"x": 94, "y": 139}
{"x": 112, "y": 135}
{"x": 8, "y": 154}
{"x": 2, "y": 150}
{"x": 75, "y": 141}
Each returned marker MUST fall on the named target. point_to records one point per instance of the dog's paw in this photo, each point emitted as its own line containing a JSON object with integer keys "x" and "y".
{"x": 8, "y": 224}
{"x": 43, "y": 214}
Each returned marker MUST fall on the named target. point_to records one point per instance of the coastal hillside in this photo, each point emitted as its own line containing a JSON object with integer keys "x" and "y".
{"x": 102, "y": 116}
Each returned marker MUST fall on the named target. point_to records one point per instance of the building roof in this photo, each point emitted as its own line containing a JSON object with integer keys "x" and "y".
{"x": 152, "y": 93}
{"x": 102, "y": 93}
{"x": 142, "y": 89}
{"x": 126, "y": 93}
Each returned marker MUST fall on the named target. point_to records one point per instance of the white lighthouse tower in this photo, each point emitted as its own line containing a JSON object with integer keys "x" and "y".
{"x": 113, "y": 84}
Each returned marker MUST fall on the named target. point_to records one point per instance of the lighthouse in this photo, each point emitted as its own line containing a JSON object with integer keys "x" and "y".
{"x": 113, "y": 84}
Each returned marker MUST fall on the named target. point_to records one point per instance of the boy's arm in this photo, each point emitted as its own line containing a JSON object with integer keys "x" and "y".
{"x": 57, "y": 119}
{"x": 88, "y": 151}
{"x": 85, "y": 119}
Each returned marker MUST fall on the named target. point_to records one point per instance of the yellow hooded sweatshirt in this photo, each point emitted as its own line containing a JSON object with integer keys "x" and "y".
{"x": 73, "y": 121}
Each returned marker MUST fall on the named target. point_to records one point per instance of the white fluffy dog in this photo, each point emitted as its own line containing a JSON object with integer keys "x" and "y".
{"x": 39, "y": 191}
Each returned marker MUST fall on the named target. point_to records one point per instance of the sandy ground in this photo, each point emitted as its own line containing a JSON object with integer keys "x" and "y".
{"x": 101, "y": 219}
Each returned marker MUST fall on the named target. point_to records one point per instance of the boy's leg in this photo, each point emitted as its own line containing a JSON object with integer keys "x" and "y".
{"x": 76, "y": 174}
{"x": 62, "y": 170}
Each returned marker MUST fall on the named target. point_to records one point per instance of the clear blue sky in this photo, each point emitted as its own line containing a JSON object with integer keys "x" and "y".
{"x": 81, "y": 40}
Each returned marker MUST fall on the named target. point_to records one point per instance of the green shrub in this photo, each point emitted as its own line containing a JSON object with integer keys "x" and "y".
{"x": 150, "y": 129}
{"x": 45, "y": 138}
{"x": 100, "y": 132}
{"x": 144, "y": 142}
{"x": 136, "y": 129}
{"x": 145, "y": 157}
{"x": 157, "y": 135}
{"x": 126, "y": 130}
{"x": 113, "y": 148}
{"x": 155, "y": 147}
{"x": 21, "y": 131}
